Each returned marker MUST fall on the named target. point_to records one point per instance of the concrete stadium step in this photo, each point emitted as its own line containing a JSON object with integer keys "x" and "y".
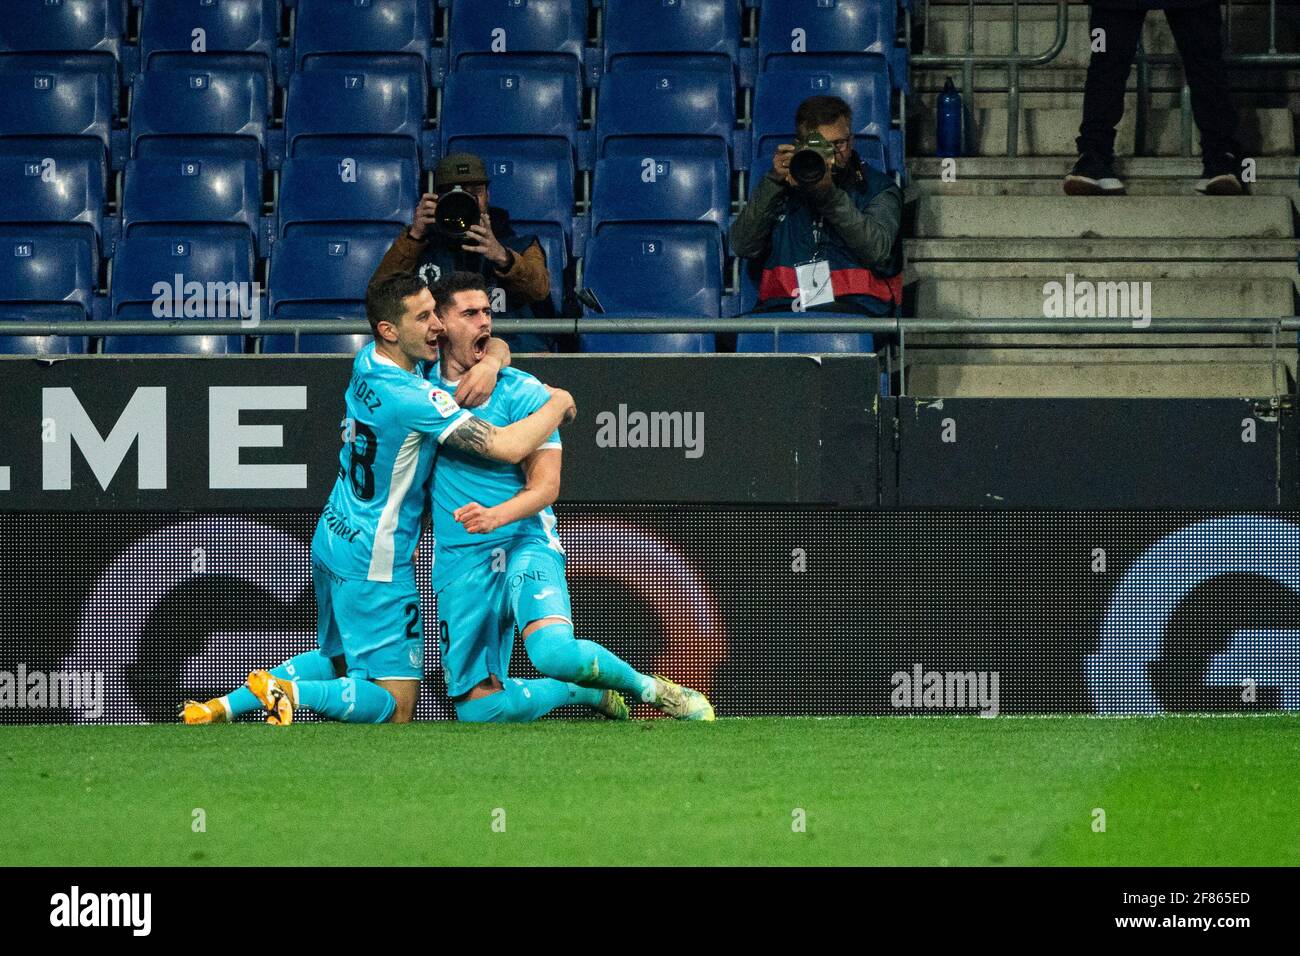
{"x": 1052, "y": 132}
{"x": 1115, "y": 373}
{"x": 993, "y": 27}
{"x": 922, "y": 189}
{"x": 1247, "y": 85}
{"x": 1168, "y": 298}
{"x": 1156, "y": 259}
{"x": 1172, "y": 217}
{"x": 1210, "y": 344}
{"x": 1130, "y": 168}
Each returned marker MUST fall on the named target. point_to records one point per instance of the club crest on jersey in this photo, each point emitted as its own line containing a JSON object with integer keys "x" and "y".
{"x": 442, "y": 401}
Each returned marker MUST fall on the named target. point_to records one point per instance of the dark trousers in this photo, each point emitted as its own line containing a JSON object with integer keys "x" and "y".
{"x": 1196, "y": 30}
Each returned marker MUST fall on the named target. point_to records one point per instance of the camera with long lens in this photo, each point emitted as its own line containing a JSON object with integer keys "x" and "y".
{"x": 457, "y": 211}
{"x": 812, "y": 155}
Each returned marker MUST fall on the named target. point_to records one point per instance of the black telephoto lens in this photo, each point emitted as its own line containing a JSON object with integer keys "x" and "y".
{"x": 807, "y": 166}
{"x": 457, "y": 211}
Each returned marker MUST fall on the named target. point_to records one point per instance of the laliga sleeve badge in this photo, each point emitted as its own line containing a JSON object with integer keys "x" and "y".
{"x": 443, "y": 402}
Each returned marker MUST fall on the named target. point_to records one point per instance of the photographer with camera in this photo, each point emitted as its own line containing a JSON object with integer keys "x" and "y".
{"x": 824, "y": 224}
{"x": 456, "y": 230}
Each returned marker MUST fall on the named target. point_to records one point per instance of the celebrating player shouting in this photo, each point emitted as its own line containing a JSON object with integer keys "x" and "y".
{"x": 368, "y": 608}
{"x": 500, "y": 564}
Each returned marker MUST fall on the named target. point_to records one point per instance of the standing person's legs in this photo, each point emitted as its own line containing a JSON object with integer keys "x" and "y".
{"x": 1103, "y": 93}
{"x": 1198, "y": 33}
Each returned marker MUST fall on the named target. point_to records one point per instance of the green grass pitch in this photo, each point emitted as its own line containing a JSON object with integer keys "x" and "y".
{"x": 934, "y": 791}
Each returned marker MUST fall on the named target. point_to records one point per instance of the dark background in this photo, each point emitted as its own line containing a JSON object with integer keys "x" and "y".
{"x": 707, "y": 594}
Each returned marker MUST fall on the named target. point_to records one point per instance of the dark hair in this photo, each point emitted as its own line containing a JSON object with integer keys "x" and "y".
{"x": 384, "y": 298}
{"x": 820, "y": 111}
{"x": 445, "y": 290}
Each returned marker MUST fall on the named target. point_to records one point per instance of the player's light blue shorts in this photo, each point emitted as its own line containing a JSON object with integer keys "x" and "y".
{"x": 375, "y": 625}
{"x": 478, "y": 611}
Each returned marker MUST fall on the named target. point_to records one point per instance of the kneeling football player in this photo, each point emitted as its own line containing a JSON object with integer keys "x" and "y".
{"x": 371, "y": 655}
{"x": 499, "y": 562}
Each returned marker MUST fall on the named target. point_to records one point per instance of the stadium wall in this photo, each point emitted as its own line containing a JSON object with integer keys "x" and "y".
{"x": 794, "y": 561}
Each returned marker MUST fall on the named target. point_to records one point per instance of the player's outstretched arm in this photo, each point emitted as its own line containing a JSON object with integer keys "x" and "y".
{"x": 516, "y": 441}
{"x": 541, "y": 488}
{"x": 477, "y": 383}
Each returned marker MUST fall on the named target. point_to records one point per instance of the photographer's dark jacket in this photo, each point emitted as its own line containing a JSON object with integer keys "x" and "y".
{"x": 860, "y": 240}
{"x": 525, "y": 282}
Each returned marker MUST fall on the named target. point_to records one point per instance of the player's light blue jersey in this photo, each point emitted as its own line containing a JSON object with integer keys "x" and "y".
{"x": 461, "y": 478}
{"x": 395, "y": 419}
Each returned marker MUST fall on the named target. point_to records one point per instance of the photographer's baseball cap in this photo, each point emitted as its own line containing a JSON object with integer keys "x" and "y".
{"x": 459, "y": 169}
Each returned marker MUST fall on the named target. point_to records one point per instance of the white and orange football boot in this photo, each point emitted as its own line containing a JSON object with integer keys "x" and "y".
{"x": 277, "y": 695}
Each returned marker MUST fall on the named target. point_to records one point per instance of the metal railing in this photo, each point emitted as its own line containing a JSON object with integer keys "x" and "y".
{"x": 758, "y": 322}
{"x": 895, "y": 327}
{"x": 1015, "y": 60}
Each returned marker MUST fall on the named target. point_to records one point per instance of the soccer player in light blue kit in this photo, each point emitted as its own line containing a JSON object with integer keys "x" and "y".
{"x": 498, "y": 561}
{"x": 368, "y": 607}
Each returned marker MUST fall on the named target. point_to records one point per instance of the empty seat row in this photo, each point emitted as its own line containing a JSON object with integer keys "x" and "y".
{"x": 383, "y": 111}
{"x": 173, "y": 184}
{"x": 552, "y": 34}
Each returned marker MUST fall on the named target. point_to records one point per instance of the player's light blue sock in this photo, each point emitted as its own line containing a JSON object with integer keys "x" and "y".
{"x": 313, "y": 665}
{"x": 347, "y": 699}
{"x": 521, "y": 701}
{"x": 557, "y": 653}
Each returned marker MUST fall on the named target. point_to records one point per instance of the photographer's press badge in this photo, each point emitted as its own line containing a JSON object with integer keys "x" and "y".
{"x": 814, "y": 280}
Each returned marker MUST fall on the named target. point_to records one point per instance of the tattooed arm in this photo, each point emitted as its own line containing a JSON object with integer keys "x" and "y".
{"x": 517, "y": 441}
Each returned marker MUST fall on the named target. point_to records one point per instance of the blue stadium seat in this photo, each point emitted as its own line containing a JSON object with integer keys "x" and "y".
{"x": 205, "y": 103}
{"x": 530, "y": 187}
{"x": 39, "y": 187}
{"x": 91, "y": 28}
{"x": 379, "y": 110}
{"x": 66, "y": 26}
{"x": 42, "y": 345}
{"x": 50, "y": 96}
{"x": 400, "y": 32}
{"x": 650, "y": 189}
{"x": 654, "y": 270}
{"x": 512, "y": 103}
{"x": 221, "y": 194}
{"x": 538, "y": 34}
{"x": 801, "y": 28}
{"x": 805, "y": 343}
{"x": 673, "y": 343}
{"x": 642, "y": 109}
{"x": 315, "y": 344}
{"x": 238, "y": 34}
{"x": 321, "y": 272}
{"x": 692, "y": 35}
{"x": 45, "y": 274}
{"x": 778, "y": 93}
{"x": 535, "y": 187}
{"x": 143, "y": 262}
{"x": 346, "y": 189}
